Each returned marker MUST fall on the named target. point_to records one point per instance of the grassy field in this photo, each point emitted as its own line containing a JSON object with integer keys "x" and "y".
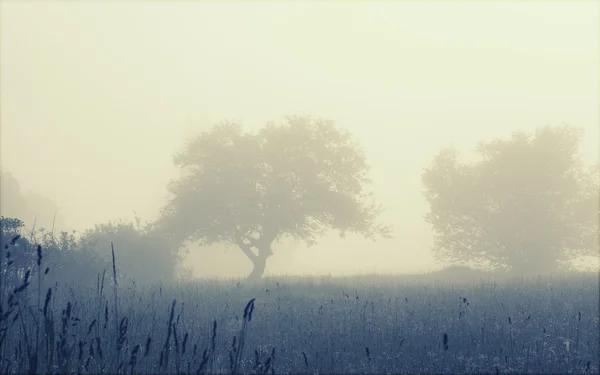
{"x": 368, "y": 324}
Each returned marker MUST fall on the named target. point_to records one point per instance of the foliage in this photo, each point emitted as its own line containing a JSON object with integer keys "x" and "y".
{"x": 66, "y": 256}
{"x": 298, "y": 179}
{"x": 70, "y": 258}
{"x": 526, "y": 204}
{"x": 142, "y": 254}
{"x": 10, "y": 226}
{"x": 11, "y": 238}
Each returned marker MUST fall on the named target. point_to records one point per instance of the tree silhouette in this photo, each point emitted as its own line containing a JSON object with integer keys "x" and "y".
{"x": 143, "y": 255}
{"x": 297, "y": 179}
{"x": 527, "y": 204}
{"x": 66, "y": 258}
{"x": 36, "y": 211}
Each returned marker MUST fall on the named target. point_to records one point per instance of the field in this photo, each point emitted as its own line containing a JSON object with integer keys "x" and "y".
{"x": 367, "y": 324}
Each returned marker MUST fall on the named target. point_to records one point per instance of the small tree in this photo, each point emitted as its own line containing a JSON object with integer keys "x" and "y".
{"x": 526, "y": 204}
{"x": 142, "y": 254}
{"x": 10, "y": 227}
{"x": 298, "y": 179}
{"x": 14, "y": 255}
{"x": 67, "y": 257}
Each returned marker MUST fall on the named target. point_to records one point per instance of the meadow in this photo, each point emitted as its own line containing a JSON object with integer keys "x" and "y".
{"x": 291, "y": 325}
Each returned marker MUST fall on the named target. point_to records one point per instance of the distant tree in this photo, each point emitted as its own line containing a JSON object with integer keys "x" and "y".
{"x": 12, "y": 202}
{"x": 527, "y": 204}
{"x": 69, "y": 258}
{"x": 141, "y": 253}
{"x": 64, "y": 255}
{"x": 298, "y": 179}
{"x": 36, "y": 211}
{"x": 10, "y": 227}
{"x": 14, "y": 254}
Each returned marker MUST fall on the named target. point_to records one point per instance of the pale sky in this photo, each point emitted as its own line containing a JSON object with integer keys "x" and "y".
{"x": 97, "y": 96}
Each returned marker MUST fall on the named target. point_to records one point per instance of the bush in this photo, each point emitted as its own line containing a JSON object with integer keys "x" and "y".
{"x": 141, "y": 253}
{"x": 67, "y": 259}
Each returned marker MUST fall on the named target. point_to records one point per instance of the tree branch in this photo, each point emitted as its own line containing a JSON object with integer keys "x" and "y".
{"x": 246, "y": 250}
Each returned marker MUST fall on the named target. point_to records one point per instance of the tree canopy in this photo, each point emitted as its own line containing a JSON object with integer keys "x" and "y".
{"x": 297, "y": 179}
{"x": 527, "y": 204}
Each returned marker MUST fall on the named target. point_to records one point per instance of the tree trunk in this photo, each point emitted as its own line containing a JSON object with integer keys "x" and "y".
{"x": 258, "y": 261}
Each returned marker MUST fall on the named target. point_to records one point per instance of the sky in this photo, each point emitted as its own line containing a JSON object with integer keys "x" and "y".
{"x": 97, "y": 97}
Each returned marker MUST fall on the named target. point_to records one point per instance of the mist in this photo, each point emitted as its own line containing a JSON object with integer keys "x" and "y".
{"x": 97, "y": 97}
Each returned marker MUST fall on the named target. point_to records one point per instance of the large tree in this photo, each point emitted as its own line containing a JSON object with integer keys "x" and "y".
{"x": 527, "y": 204}
{"x": 297, "y": 179}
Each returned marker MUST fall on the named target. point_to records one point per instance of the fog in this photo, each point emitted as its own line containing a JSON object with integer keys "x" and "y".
{"x": 96, "y": 98}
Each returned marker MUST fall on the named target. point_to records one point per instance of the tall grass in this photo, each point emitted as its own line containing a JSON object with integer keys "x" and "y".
{"x": 297, "y": 325}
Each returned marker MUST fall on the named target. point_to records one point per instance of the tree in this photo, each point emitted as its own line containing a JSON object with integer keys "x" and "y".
{"x": 66, "y": 257}
{"x": 35, "y": 210}
{"x": 527, "y": 204}
{"x": 10, "y": 227}
{"x": 298, "y": 179}
{"x": 141, "y": 253}
{"x": 14, "y": 257}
